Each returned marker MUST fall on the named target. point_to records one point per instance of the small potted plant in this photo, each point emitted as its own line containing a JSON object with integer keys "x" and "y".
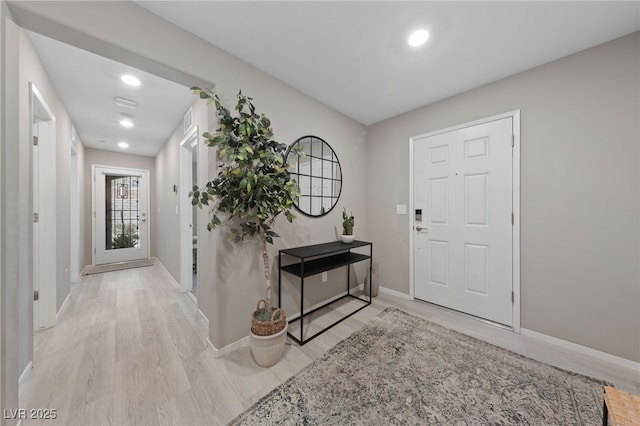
{"x": 252, "y": 189}
{"x": 347, "y": 227}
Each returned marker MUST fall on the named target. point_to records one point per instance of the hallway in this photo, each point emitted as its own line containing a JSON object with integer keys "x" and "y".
{"x": 131, "y": 349}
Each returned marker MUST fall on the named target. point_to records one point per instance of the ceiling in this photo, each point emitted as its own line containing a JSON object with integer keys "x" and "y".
{"x": 88, "y": 85}
{"x": 351, "y": 56}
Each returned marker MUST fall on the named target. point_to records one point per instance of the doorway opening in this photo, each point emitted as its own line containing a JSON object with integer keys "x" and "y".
{"x": 43, "y": 259}
{"x": 188, "y": 213}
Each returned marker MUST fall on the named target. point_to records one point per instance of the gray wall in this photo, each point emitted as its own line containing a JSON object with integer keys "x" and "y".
{"x": 579, "y": 189}
{"x": 167, "y": 163}
{"x": 115, "y": 159}
{"x": 31, "y": 70}
{"x": 21, "y": 66}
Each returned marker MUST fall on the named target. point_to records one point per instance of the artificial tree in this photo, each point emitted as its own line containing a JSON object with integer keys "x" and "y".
{"x": 252, "y": 187}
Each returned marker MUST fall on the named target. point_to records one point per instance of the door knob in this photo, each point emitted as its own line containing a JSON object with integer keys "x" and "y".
{"x": 421, "y": 229}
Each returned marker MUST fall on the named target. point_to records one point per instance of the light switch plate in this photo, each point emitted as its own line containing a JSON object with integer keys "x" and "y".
{"x": 401, "y": 209}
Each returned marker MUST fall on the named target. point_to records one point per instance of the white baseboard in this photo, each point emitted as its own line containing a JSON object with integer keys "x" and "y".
{"x": 244, "y": 341}
{"x": 391, "y": 292}
{"x": 166, "y": 272}
{"x": 82, "y": 272}
{"x": 63, "y": 307}
{"x": 217, "y": 353}
{"x": 203, "y": 316}
{"x": 317, "y": 305}
{"x": 603, "y": 356}
{"x": 26, "y": 371}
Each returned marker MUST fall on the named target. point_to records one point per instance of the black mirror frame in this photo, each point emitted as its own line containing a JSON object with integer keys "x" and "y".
{"x": 296, "y": 142}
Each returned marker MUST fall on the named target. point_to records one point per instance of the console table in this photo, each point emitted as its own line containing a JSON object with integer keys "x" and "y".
{"x": 318, "y": 258}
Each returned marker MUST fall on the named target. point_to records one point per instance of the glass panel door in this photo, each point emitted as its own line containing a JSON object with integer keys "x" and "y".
{"x": 120, "y": 215}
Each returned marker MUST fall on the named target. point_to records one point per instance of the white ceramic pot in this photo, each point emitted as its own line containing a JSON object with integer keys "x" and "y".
{"x": 267, "y": 350}
{"x": 347, "y": 239}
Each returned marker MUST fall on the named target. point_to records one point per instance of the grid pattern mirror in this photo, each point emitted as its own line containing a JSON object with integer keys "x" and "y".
{"x": 318, "y": 174}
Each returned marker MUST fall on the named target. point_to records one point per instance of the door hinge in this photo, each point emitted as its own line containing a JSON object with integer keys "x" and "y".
{"x": 35, "y": 141}
{"x": 94, "y": 251}
{"x": 513, "y": 297}
{"x": 513, "y": 141}
{"x": 36, "y": 295}
{"x": 513, "y": 218}
{"x": 36, "y": 217}
{"x": 94, "y": 214}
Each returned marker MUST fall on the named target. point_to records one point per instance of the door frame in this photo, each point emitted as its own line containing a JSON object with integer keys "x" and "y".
{"x": 515, "y": 115}
{"x": 74, "y": 216}
{"x": 124, "y": 170}
{"x": 43, "y": 239}
{"x": 185, "y": 206}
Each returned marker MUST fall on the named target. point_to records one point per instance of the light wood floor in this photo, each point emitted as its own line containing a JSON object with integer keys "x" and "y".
{"x": 130, "y": 349}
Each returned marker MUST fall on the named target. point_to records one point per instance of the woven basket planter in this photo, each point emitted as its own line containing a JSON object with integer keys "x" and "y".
{"x": 268, "y": 328}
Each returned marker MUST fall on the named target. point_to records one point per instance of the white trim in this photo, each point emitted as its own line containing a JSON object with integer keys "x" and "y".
{"x": 166, "y": 272}
{"x": 217, "y": 353}
{"x": 412, "y": 217}
{"x": 324, "y": 302}
{"x": 515, "y": 116}
{"x": 43, "y": 237}
{"x": 468, "y": 124}
{"x": 515, "y": 235}
{"x": 242, "y": 342}
{"x": 584, "y": 350}
{"x": 389, "y": 292}
{"x": 395, "y": 293}
{"x": 84, "y": 268}
{"x": 25, "y": 372}
{"x": 203, "y": 316}
{"x": 63, "y": 306}
{"x": 185, "y": 207}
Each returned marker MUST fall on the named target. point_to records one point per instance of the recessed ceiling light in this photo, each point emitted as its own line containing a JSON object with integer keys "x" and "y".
{"x": 125, "y": 122}
{"x": 418, "y": 38}
{"x": 123, "y": 145}
{"x": 130, "y": 80}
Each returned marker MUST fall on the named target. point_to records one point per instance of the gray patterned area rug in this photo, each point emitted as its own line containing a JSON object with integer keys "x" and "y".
{"x": 400, "y": 369}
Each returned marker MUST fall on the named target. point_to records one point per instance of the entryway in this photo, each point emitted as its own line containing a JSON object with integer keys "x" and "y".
{"x": 465, "y": 211}
{"x": 120, "y": 214}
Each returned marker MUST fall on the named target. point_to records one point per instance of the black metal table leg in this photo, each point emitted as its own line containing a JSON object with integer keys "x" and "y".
{"x": 302, "y": 302}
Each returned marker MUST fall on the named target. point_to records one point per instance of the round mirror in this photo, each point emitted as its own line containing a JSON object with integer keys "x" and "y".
{"x": 318, "y": 174}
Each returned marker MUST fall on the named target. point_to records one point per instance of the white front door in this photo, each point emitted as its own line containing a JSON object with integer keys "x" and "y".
{"x": 120, "y": 215}
{"x": 463, "y": 187}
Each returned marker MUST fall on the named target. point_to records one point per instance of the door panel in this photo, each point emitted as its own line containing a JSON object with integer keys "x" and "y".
{"x": 463, "y": 244}
{"x": 121, "y": 225}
